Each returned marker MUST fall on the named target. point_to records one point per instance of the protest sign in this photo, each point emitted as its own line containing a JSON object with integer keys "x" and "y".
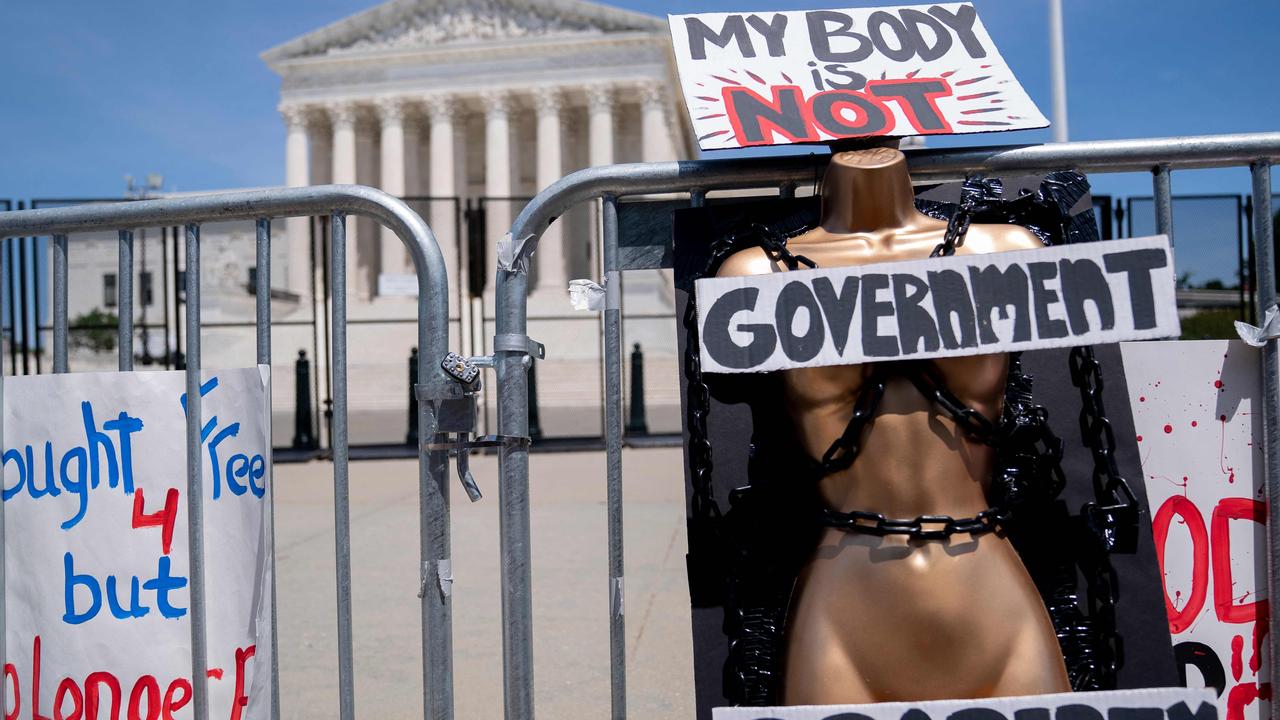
{"x": 777, "y": 78}
{"x": 1061, "y": 296}
{"x": 1149, "y": 704}
{"x": 1199, "y": 428}
{"x": 97, "y": 590}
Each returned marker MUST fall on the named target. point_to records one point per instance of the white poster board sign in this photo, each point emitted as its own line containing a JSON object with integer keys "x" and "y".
{"x": 97, "y": 591}
{"x": 1149, "y": 704}
{"x": 1059, "y": 296}
{"x": 777, "y": 78}
{"x": 1197, "y": 413}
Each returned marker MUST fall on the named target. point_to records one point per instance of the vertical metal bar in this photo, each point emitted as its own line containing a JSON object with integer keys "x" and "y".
{"x": 341, "y": 509}
{"x": 36, "y": 294}
{"x": 1264, "y": 252}
{"x": 697, "y": 198}
{"x": 1241, "y": 263}
{"x": 178, "y": 291}
{"x": 164, "y": 297}
{"x": 613, "y": 457}
{"x": 195, "y": 485}
{"x": 59, "y": 304}
{"x": 787, "y": 190}
{"x": 12, "y": 281}
{"x": 435, "y": 546}
{"x": 124, "y": 301}
{"x": 1164, "y": 201}
{"x": 263, "y": 295}
{"x": 513, "y": 504}
{"x": 20, "y": 310}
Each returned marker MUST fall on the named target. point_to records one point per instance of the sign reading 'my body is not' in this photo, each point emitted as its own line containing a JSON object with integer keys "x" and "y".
{"x": 962, "y": 305}
{"x": 776, "y": 78}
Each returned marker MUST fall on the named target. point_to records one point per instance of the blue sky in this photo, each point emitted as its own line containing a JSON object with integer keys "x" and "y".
{"x": 95, "y": 90}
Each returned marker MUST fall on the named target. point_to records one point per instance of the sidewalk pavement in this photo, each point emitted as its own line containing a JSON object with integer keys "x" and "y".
{"x": 570, "y": 585}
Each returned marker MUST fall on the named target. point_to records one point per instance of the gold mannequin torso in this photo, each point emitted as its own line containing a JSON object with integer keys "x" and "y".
{"x": 879, "y": 619}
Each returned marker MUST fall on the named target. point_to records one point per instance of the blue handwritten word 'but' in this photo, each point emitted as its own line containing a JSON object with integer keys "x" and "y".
{"x": 81, "y": 468}
{"x": 161, "y": 585}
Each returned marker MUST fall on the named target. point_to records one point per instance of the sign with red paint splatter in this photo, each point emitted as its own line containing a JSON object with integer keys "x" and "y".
{"x": 780, "y": 78}
{"x": 97, "y": 589}
{"x": 1196, "y": 413}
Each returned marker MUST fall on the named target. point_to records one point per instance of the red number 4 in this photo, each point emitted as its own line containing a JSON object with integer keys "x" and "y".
{"x": 163, "y": 519}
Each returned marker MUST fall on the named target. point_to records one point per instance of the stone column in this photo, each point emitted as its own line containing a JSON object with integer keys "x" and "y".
{"x": 441, "y": 182}
{"x": 391, "y": 114}
{"x": 550, "y": 255}
{"x": 343, "y": 117}
{"x": 497, "y": 169}
{"x": 412, "y": 172}
{"x": 655, "y": 129}
{"x": 297, "y": 173}
{"x": 600, "y": 124}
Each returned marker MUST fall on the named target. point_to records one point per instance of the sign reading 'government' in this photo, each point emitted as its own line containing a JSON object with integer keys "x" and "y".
{"x": 1063, "y": 296}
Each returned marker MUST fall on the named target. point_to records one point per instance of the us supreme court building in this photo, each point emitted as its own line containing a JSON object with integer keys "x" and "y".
{"x": 463, "y": 106}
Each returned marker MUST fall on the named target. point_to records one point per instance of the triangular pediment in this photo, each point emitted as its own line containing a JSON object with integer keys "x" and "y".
{"x": 423, "y": 24}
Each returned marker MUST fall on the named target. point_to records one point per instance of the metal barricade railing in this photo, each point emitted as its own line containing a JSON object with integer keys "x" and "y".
{"x": 608, "y": 184}
{"x": 337, "y": 201}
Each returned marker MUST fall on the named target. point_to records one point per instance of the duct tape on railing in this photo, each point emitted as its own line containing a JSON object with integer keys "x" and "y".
{"x": 1259, "y": 336}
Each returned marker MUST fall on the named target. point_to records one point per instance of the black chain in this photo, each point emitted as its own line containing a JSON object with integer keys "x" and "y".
{"x": 844, "y": 450}
{"x": 1112, "y": 518}
{"x": 701, "y": 460}
{"x": 924, "y": 527}
{"x": 958, "y": 224}
{"x": 976, "y": 425}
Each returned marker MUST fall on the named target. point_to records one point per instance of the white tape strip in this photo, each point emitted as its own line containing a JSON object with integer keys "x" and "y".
{"x": 508, "y": 255}
{"x": 586, "y": 295}
{"x": 618, "y": 597}
{"x": 1258, "y": 336}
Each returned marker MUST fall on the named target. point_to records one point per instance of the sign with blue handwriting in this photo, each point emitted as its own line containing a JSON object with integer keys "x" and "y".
{"x": 97, "y": 590}
{"x": 1145, "y": 704}
{"x": 1087, "y": 294}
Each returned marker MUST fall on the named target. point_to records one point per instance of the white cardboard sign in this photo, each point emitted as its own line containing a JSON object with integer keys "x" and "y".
{"x": 97, "y": 585}
{"x": 1197, "y": 414}
{"x": 1148, "y": 704}
{"x": 1060, "y": 296}
{"x": 777, "y": 78}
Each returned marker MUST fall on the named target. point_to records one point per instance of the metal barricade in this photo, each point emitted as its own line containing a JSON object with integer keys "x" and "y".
{"x": 434, "y": 387}
{"x": 608, "y": 184}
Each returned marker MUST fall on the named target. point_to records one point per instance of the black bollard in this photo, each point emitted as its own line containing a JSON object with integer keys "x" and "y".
{"x": 302, "y": 422}
{"x": 328, "y": 420}
{"x": 411, "y": 437}
{"x": 637, "y": 423}
{"x": 535, "y": 423}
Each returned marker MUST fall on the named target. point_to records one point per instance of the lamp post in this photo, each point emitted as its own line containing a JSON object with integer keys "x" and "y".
{"x": 155, "y": 182}
{"x": 1058, "y": 70}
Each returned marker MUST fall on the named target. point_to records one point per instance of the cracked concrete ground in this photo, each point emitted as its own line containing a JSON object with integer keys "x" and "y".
{"x": 571, "y": 593}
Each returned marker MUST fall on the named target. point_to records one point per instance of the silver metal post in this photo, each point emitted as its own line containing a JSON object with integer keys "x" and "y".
{"x": 513, "y": 501}
{"x": 613, "y": 456}
{"x": 341, "y": 507}
{"x": 1164, "y": 201}
{"x": 263, "y": 327}
{"x": 1058, "y": 70}
{"x": 124, "y": 300}
{"x": 195, "y": 485}
{"x": 436, "y": 553}
{"x": 59, "y": 305}
{"x": 1264, "y": 252}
